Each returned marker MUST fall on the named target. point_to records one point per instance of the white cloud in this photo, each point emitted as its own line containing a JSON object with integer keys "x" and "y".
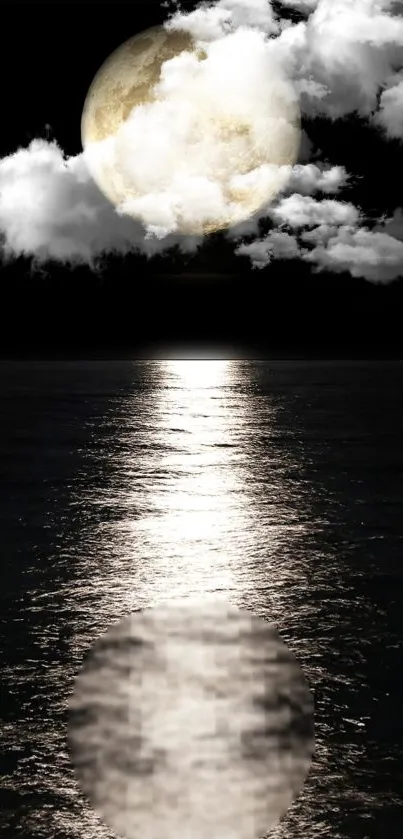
{"x": 299, "y": 180}
{"x": 312, "y": 178}
{"x": 304, "y": 211}
{"x": 390, "y": 114}
{"x": 276, "y": 245}
{"x": 338, "y": 244}
{"x": 377, "y": 257}
{"x": 51, "y": 209}
{"x": 342, "y": 55}
{"x": 211, "y": 21}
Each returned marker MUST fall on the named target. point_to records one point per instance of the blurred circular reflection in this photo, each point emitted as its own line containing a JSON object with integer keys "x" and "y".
{"x": 191, "y": 720}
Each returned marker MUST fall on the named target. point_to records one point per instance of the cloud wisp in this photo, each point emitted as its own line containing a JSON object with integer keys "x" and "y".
{"x": 342, "y": 59}
{"x": 327, "y": 235}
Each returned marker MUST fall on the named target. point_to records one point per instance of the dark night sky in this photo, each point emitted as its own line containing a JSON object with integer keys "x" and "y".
{"x": 49, "y": 55}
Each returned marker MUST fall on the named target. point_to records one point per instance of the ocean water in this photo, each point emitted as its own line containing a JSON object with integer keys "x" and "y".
{"x": 277, "y": 485}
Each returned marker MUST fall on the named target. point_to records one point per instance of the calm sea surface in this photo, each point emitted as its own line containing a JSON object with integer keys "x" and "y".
{"x": 277, "y": 484}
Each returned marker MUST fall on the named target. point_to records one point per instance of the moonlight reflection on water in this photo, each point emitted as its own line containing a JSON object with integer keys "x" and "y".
{"x": 277, "y": 484}
{"x": 186, "y": 513}
{"x": 193, "y": 720}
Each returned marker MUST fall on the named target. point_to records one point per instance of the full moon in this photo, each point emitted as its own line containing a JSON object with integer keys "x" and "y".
{"x": 175, "y": 138}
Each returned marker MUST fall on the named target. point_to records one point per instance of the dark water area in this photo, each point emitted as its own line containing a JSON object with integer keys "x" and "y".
{"x": 278, "y": 484}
